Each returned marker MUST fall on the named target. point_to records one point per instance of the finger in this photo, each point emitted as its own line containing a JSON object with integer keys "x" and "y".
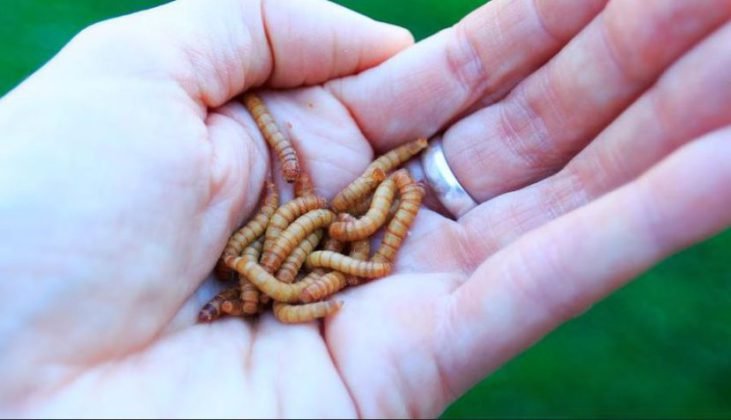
{"x": 554, "y": 113}
{"x": 216, "y": 50}
{"x": 557, "y": 271}
{"x": 482, "y": 57}
{"x": 239, "y": 164}
{"x": 690, "y": 99}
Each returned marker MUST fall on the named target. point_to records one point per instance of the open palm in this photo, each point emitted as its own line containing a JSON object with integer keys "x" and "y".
{"x": 148, "y": 165}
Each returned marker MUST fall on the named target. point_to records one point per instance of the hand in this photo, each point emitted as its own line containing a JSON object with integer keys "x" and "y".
{"x": 595, "y": 139}
{"x": 108, "y": 326}
{"x": 126, "y": 164}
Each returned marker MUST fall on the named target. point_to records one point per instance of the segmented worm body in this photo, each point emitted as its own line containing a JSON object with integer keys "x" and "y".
{"x": 359, "y": 250}
{"x": 281, "y": 145}
{"x": 355, "y": 230}
{"x": 279, "y": 239}
{"x": 291, "y": 266}
{"x": 334, "y": 281}
{"x": 255, "y": 228}
{"x": 303, "y": 185}
{"x": 351, "y": 195}
{"x": 411, "y": 195}
{"x": 212, "y": 310}
{"x": 313, "y": 276}
{"x": 250, "y": 295}
{"x": 288, "y": 213}
{"x": 293, "y": 235}
{"x": 323, "y": 286}
{"x": 267, "y": 283}
{"x": 233, "y": 307}
{"x": 296, "y": 314}
{"x": 398, "y": 156}
{"x": 362, "y": 207}
{"x": 348, "y": 265}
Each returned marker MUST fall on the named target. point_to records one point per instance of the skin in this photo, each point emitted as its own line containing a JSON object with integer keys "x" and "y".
{"x": 125, "y": 163}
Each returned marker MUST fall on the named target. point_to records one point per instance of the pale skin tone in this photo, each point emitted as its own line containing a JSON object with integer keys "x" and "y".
{"x": 126, "y": 165}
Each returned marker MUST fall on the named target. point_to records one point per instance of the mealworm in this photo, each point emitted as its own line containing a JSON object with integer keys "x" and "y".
{"x": 303, "y": 185}
{"x": 355, "y": 230}
{"x": 233, "y": 307}
{"x": 361, "y": 207}
{"x": 286, "y": 214}
{"x": 266, "y": 283}
{"x": 348, "y": 265}
{"x": 250, "y": 295}
{"x": 411, "y": 195}
{"x": 296, "y": 314}
{"x": 255, "y": 228}
{"x": 396, "y": 157}
{"x": 313, "y": 276}
{"x": 326, "y": 284}
{"x": 349, "y": 196}
{"x": 293, "y": 235}
{"x": 291, "y": 266}
{"x": 212, "y": 310}
{"x": 359, "y": 188}
{"x": 281, "y": 145}
{"x": 323, "y": 286}
{"x": 359, "y": 250}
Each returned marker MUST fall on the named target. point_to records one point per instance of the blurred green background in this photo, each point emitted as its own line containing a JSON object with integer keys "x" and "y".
{"x": 660, "y": 347}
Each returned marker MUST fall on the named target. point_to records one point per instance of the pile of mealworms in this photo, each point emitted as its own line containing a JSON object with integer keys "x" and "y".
{"x": 295, "y": 257}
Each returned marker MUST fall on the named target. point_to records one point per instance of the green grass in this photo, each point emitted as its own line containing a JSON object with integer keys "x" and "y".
{"x": 660, "y": 347}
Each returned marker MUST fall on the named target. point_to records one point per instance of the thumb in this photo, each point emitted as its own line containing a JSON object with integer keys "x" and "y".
{"x": 216, "y": 50}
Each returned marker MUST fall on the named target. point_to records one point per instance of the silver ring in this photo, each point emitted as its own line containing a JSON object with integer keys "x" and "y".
{"x": 443, "y": 181}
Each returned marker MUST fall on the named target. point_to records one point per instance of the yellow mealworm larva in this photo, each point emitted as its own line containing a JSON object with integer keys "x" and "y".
{"x": 334, "y": 281}
{"x": 394, "y": 208}
{"x": 387, "y": 162}
{"x": 303, "y": 185}
{"x": 359, "y": 250}
{"x": 286, "y": 214}
{"x": 367, "y": 225}
{"x": 348, "y": 265}
{"x": 296, "y": 314}
{"x": 267, "y": 283}
{"x": 250, "y": 295}
{"x": 411, "y": 195}
{"x": 331, "y": 244}
{"x": 233, "y": 307}
{"x": 281, "y": 145}
{"x": 255, "y": 228}
{"x": 361, "y": 207}
{"x": 293, "y": 235}
{"x": 396, "y": 157}
{"x": 212, "y": 310}
{"x": 253, "y": 251}
{"x": 351, "y": 195}
{"x": 323, "y": 286}
{"x": 291, "y": 266}
{"x": 312, "y": 276}
{"x": 329, "y": 283}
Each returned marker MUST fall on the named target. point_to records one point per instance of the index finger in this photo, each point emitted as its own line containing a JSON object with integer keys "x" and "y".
{"x": 479, "y": 59}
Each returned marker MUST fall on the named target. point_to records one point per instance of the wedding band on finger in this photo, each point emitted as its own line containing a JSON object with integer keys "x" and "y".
{"x": 443, "y": 182}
